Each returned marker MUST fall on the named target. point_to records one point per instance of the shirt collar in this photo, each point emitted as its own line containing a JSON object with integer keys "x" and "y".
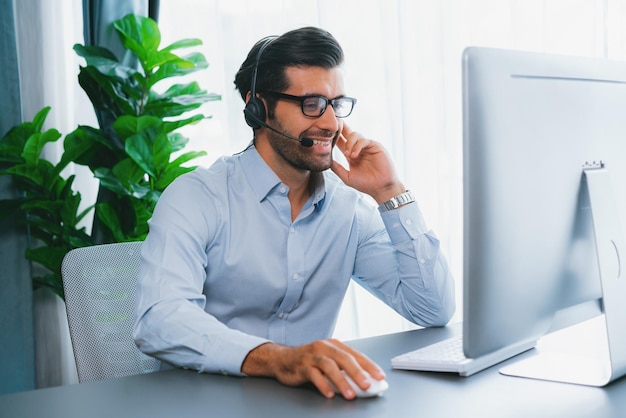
{"x": 260, "y": 176}
{"x": 263, "y": 180}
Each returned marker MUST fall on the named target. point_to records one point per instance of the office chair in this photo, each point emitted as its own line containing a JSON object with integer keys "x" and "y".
{"x": 99, "y": 283}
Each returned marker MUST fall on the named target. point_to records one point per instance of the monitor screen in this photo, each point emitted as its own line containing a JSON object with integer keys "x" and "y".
{"x": 532, "y": 124}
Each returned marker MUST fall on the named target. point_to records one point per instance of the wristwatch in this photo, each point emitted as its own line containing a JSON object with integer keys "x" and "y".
{"x": 396, "y": 201}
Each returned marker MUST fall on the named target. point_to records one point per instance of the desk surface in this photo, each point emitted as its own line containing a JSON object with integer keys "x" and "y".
{"x": 179, "y": 393}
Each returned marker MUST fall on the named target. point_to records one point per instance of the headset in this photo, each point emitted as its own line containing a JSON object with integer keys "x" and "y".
{"x": 254, "y": 112}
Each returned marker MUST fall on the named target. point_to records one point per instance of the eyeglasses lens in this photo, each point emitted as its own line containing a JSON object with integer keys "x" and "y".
{"x": 315, "y": 106}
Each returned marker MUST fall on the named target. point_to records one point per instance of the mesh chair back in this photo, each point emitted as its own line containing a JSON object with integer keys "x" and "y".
{"x": 100, "y": 286}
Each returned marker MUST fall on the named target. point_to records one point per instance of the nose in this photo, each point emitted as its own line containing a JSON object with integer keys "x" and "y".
{"x": 328, "y": 120}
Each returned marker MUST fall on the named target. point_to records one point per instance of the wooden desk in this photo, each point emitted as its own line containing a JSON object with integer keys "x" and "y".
{"x": 179, "y": 393}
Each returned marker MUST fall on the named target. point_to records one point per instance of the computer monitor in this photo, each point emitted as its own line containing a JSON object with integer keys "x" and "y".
{"x": 543, "y": 133}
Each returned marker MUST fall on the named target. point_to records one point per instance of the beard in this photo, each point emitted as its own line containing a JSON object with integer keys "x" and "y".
{"x": 298, "y": 156}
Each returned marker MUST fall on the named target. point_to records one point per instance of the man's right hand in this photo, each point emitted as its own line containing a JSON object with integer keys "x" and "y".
{"x": 319, "y": 362}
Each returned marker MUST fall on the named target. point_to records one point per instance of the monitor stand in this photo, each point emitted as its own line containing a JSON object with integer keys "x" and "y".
{"x": 566, "y": 356}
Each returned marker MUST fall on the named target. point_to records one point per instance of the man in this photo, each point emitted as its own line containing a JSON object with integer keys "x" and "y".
{"x": 247, "y": 262}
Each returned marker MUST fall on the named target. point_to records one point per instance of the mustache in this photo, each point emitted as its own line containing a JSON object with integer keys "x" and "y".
{"x": 321, "y": 133}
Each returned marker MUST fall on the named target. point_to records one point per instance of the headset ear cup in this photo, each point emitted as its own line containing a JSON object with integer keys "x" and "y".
{"x": 254, "y": 113}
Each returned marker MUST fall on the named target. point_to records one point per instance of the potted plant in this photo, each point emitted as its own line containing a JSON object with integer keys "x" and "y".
{"x": 131, "y": 153}
{"x": 48, "y": 205}
{"x": 136, "y": 151}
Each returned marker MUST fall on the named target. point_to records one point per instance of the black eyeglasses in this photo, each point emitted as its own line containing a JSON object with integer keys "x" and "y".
{"x": 314, "y": 105}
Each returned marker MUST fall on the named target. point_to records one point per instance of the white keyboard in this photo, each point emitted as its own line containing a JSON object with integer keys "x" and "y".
{"x": 447, "y": 356}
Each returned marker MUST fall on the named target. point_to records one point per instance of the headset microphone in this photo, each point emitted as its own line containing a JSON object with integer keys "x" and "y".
{"x": 254, "y": 112}
{"x": 305, "y": 142}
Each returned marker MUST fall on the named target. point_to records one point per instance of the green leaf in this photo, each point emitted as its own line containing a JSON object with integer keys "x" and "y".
{"x": 71, "y": 203}
{"x": 92, "y": 51}
{"x": 12, "y": 145}
{"x": 49, "y": 257}
{"x": 161, "y": 152}
{"x": 108, "y": 95}
{"x": 104, "y": 61}
{"x": 179, "y": 68}
{"x": 35, "y": 143}
{"x": 127, "y": 126}
{"x": 178, "y": 141}
{"x": 47, "y": 206}
{"x": 146, "y": 142}
{"x": 160, "y": 58}
{"x": 144, "y": 192}
{"x": 31, "y": 173}
{"x": 85, "y": 212}
{"x": 186, "y": 91}
{"x": 109, "y": 218}
{"x": 139, "y": 148}
{"x": 140, "y": 35}
{"x": 171, "y": 174}
{"x": 171, "y": 126}
{"x": 199, "y": 61}
{"x": 40, "y": 119}
{"x": 85, "y": 146}
{"x": 178, "y": 99}
{"x": 111, "y": 69}
{"x": 183, "y": 43}
{"x": 128, "y": 172}
{"x": 142, "y": 215}
{"x": 151, "y": 154}
{"x": 111, "y": 182}
{"x": 188, "y": 156}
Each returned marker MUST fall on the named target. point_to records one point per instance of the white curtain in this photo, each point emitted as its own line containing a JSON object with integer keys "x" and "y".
{"x": 403, "y": 63}
{"x": 48, "y": 71}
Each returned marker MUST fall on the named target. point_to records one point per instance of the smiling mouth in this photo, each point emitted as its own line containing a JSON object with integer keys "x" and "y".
{"x": 322, "y": 138}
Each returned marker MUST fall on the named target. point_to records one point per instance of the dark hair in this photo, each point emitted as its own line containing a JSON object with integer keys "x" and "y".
{"x": 305, "y": 47}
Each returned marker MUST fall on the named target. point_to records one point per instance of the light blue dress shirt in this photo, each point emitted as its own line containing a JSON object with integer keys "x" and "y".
{"x": 224, "y": 269}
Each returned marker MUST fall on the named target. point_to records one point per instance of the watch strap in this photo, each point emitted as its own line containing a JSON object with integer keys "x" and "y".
{"x": 396, "y": 201}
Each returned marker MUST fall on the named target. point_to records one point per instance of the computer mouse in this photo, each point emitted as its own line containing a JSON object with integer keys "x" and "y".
{"x": 377, "y": 387}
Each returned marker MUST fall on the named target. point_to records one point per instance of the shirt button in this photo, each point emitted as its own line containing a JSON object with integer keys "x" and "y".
{"x": 296, "y": 276}
{"x": 422, "y": 261}
{"x": 409, "y": 221}
{"x": 283, "y": 189}
{"x": 281, "y": 315}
